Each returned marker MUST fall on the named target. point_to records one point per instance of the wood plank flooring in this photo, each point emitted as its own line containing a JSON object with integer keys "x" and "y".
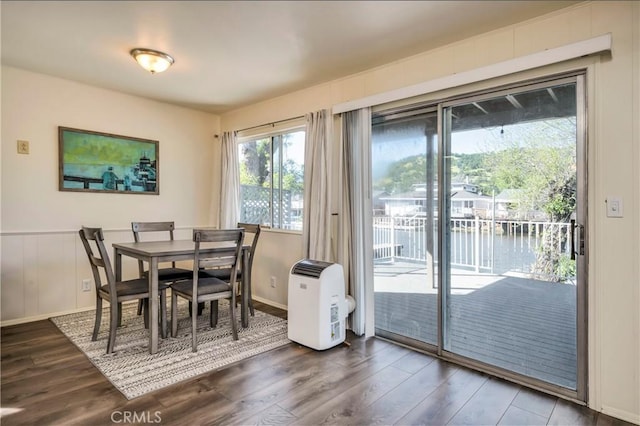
{"x": 46, "y": 380}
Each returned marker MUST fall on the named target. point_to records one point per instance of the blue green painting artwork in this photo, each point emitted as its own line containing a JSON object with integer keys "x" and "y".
{"x": 101, "y": 162}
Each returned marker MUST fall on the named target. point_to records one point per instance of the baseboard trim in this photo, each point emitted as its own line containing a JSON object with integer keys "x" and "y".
{"x": 41, "y": 317}
{"x": 621, "y": 414}
{"x": 270, "y": 302}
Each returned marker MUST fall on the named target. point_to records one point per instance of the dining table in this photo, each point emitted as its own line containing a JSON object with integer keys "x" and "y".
{"x": 156, "y": 252}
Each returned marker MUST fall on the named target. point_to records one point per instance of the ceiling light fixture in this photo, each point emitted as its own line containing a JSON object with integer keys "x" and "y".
{"x": 152, "y": 60}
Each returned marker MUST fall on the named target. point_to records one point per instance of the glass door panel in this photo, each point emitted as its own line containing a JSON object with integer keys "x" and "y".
{"x": 404, "y": 176}
{"x": 511, "y": 191}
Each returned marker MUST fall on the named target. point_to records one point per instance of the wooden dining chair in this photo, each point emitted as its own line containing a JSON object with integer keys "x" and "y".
{"x": 225, "y": 274}
{"x": 165, "y": 275}
{"x": 115, "y": 292}
{"x": 169, "y": 274}
{"x": 209, "y": 289}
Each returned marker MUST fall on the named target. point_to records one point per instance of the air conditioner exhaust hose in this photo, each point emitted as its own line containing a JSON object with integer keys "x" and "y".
{"x": 351, "y": 304}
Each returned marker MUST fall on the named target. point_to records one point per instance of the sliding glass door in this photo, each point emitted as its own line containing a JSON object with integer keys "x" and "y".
{"x": 512, "y": 195}
{"x": 478, "y": 226}
{"x": 404, "y": 174}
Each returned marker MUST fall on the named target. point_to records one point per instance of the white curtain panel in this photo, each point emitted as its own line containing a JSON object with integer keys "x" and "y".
{"x": 230, "y": 182}
{"x": 316, "y": 224}
{"x": 356, "y": 215}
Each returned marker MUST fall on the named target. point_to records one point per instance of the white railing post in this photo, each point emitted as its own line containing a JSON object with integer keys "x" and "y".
{"x": 384, "y": 240}
{"x": 476, "y": 244}
{"x": 392, "y": 237}
{"x": 493, "y": 231}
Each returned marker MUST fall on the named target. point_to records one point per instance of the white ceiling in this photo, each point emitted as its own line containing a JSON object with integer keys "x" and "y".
{"x": 233, "y": 53}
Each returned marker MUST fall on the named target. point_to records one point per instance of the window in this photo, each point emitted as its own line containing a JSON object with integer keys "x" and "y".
{"x": 272, "y": 179}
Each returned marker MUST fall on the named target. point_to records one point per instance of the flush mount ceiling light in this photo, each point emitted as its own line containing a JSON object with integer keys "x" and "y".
{"x": 152, "y": 60}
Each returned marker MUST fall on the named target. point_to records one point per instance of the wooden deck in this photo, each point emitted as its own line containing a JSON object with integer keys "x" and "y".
{"x": 519, "y": 324}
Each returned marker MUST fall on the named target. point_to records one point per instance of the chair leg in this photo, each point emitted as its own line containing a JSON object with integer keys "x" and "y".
{"x": 200, "y": 308}
{"x": 119, "y": 314}
{"x": 113, "y": 325}
{"x": 96, "y": 326}
{"x": 213, "y": 313}
{"x": 194, "y": 325}
{"x": 174, "y": 314}
{"x": 253, "y": 314}
{"x": 234, "y": 325}
{"x": 139, "y": 307}
{"x": 250, "y": 303}
{"x": 145, "y": 304}
{"x": 163, "y": 313}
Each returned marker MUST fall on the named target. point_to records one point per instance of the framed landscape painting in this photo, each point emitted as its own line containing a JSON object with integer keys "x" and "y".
{"x": 101, "y": 162}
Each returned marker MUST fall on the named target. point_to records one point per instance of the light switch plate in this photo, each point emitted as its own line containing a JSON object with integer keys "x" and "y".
{"x": 614, "y": 207}
{"x": 23, "y": 147}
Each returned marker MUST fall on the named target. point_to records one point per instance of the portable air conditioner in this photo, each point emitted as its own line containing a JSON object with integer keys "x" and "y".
{"x": 317, "y": 307}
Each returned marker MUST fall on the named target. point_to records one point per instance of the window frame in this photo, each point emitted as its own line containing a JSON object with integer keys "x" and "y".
{"x": 274, "y": 133}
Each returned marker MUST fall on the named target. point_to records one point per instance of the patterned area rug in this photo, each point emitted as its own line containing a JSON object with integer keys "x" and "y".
{"x": 135, "y": 372}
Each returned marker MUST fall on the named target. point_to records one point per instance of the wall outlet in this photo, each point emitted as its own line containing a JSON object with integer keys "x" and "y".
{"x": 86, "y": 284}
{"x": 273, "y": 282}
{"x": 23, "y": 147}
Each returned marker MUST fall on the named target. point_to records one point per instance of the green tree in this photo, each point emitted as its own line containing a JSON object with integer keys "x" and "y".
{"x": 539, "y": 159}
{"x": 256, "y": 167}
{"x": 403, "y": 174}
{"x": 471, "y": 168}
{"x": 254, "y": 170}
{"x": 292, "y": 176}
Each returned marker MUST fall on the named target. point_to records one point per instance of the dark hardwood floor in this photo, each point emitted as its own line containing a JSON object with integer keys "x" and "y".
{"x": 46, "y": 380}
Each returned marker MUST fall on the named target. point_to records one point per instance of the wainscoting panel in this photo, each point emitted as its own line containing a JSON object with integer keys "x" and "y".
{"x": 12, "y": 278}
{"x": 42, "y": 272}
{"x": 54, "y": 271}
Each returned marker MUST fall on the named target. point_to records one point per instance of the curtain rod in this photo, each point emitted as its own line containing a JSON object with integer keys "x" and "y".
{"x": 272, "y": 123}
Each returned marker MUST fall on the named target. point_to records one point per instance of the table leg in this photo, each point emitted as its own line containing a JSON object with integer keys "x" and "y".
{"x": 153, "y": 305}
{"x": 118, "y": 266}
{"x": 245, "y": 289}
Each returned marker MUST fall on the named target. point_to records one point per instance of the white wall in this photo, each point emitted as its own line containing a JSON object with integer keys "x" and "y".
{"x": 276, "y": 252}
{"x": 43, "y": 261}
{"x": 614, "y": 165}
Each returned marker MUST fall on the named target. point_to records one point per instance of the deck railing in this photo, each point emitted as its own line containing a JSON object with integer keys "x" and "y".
{"x": 483, "y": 245}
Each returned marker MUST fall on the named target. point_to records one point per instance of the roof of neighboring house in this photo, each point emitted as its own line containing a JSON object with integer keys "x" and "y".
{"x": 422, "y": 195}
{"x": 411, "y": 195}
{"x": 378, "y": 194}
{"x": 466, "y": 195}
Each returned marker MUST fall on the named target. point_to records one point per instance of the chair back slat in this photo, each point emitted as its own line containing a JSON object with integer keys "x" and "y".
{"x": 227, "y": 259}
{"x": 218, "y": 262}
{"x": 216, "y": 235}
{"x": 98, "y": 259}
{"x": 138, "y": 227}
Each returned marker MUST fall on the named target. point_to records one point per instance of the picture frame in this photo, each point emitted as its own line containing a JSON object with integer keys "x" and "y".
{"x": 102, "y": 162}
